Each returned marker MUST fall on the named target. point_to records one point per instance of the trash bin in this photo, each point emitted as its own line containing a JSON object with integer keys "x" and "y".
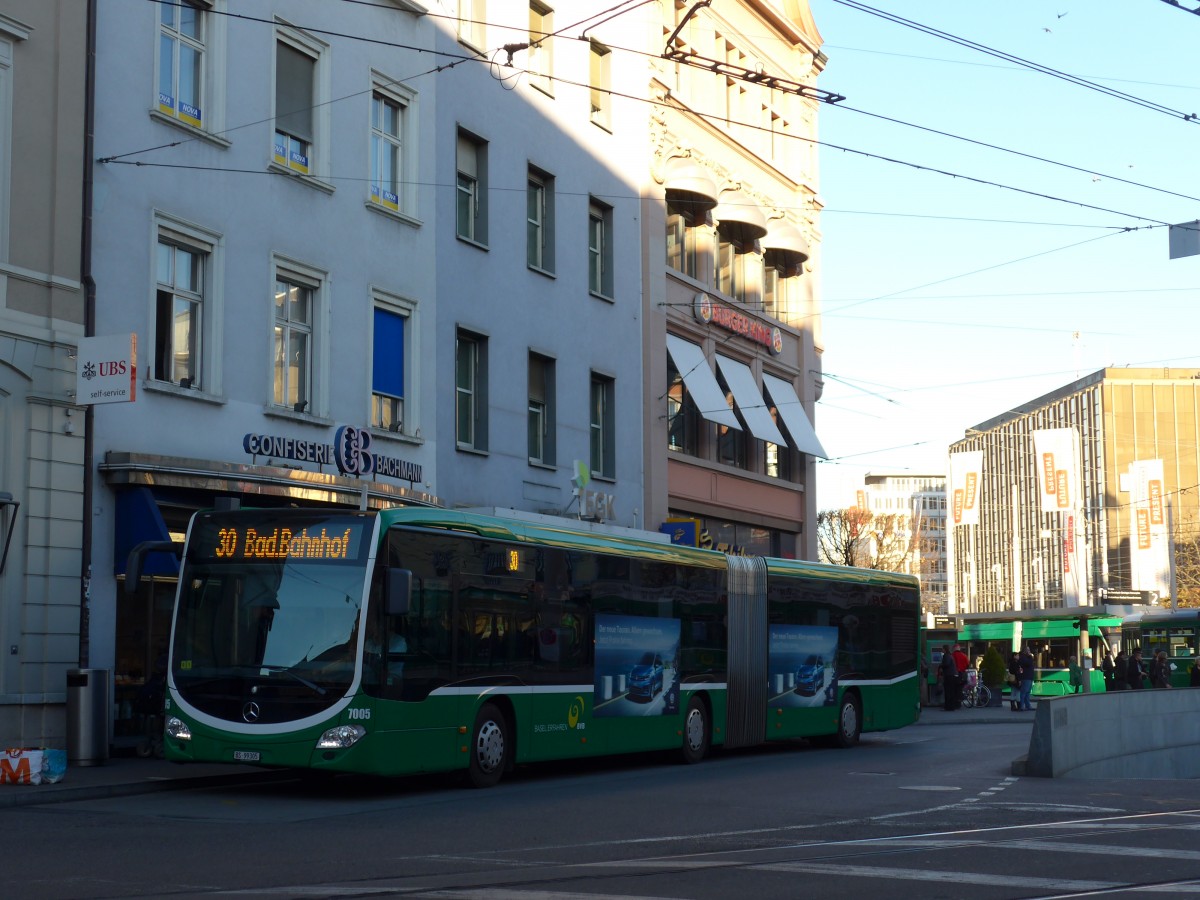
{"x": 89, "y": 723}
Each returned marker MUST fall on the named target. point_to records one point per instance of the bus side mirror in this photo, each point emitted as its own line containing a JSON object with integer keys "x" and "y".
{"x": 137, "y": 557}
{"x": 397, "y": 588}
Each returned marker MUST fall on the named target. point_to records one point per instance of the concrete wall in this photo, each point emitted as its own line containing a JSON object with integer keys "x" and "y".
{"x": 1125, "y": 734}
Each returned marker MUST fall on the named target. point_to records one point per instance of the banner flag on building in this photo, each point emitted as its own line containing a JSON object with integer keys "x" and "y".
{"x": 1148, "y": 545}
{"x": 1058, "y": 476}
{"x": 1057, "y": 469}
{"x": 966, "y": 473}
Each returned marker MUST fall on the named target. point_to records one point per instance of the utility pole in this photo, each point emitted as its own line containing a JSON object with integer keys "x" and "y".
{"x": 1016, "y": 550}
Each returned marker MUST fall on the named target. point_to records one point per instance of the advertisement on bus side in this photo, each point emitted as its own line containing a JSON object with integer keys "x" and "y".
{"x": 637, "y": 669}
{"x": 800, "y": 667}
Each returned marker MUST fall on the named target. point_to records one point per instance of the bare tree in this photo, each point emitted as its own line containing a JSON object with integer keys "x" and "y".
{"x": 838, "y": 534}
{"x": 1187, "y": 563}
{"x": 856, "y": 537}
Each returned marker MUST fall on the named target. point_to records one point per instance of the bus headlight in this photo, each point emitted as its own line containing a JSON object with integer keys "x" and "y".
{"x": 177, "y": 728}
{"x": 341, "y": 737}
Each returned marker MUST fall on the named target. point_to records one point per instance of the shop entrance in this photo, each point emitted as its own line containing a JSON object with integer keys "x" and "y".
{"x": 143, "y": 633}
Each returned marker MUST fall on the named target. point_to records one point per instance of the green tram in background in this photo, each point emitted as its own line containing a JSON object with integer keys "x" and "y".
{"x": 1174, "y": 630}
{"x": 419, "y": 640}
{"x": 1051, "y": 634}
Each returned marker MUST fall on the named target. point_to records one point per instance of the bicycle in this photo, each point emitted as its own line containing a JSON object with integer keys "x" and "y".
{"x": 976, "y": 694}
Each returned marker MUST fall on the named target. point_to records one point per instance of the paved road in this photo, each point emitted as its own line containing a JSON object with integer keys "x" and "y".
{"x": 927, "y": 812}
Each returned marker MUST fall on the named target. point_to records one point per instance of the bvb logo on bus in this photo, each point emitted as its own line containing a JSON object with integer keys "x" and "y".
{"x": 573, "y": 714}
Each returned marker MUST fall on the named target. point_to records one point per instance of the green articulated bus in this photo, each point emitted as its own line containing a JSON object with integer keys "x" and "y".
{"x": 420, "y": 640}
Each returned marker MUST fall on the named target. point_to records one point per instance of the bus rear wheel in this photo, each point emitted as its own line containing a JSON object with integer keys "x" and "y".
{"x": 849, "y": 721}
{"x": 696, "y": 731}
{"x": 490, "y": 747}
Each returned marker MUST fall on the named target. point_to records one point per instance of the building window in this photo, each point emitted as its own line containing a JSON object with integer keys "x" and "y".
{"x": 600, "y": 248}
{"x": 472, "y": 19}
{"x": 778, "y": 457}
{"x": 178, "y": 313}
{"x": 779, "y": 280}
{"x": 471, "y": 215}
{"x": 470, "y": 362}
{"x": 683, "y": 419}
{"x": 600, "y": 85}
{"x": 541, "y": 410}
{"x": 737, "y": 265}
{"x": 391, "y": 364}
{"x": 603, "y": 425}
{"x": 773, "y": 290}
{"x": 298, "y": 102}
{"x": 541, "y": 47}
{"x": 684, "y": 229}
{"x": 297, "y": 296}
{"x": 182, "y": 42}
{"x": 186, "y": 308}
{"x": 391, "y": 143}
{"x": 539, "y": 221}
{"x": 731, "y": 442}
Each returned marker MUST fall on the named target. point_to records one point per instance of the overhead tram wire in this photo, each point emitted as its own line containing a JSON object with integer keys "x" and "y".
{"x": 718, "y": 118}
{"x": 1195, "y": 10}
{"x": 459, "y": 58}
{"x": 911, "y": 215}
{"x": 918, "y": 287}
{"x": 1023, "y": 155}
{"x": 993, "y": 296}
{"x": 1020, "y": 61}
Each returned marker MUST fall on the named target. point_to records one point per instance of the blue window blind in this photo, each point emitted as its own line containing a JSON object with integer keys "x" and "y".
{"x": 388, "y": 374}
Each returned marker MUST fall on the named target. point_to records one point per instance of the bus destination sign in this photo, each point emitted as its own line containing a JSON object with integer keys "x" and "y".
{"x": 275, "y": 539}
{"x": 281, "y": 543}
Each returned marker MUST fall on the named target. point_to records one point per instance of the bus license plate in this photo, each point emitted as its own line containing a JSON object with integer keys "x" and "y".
{"x": 246, "y": 755}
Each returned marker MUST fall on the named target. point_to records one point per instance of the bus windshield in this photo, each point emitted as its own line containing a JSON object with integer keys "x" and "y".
{"x": 268, "y": 610}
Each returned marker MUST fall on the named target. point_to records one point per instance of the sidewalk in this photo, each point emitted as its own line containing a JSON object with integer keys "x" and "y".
{"x": 988, "y": 715}
{"x": 125, "y": 776}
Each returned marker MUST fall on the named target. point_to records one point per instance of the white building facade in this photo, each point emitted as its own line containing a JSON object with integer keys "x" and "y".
{"x": 265, "y": 213}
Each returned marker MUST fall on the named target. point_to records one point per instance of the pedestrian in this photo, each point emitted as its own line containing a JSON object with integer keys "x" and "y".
{"x": 949, "y": 673}
{"x": 1121, "y": 671}
{"x": 1014, "y": 682}
{"x": 961, "y": 664}
{"x": 1074, "y": 675}
{"x": 1106, "y": 666}
{"x": 1028, "y": 672}
{"x": 1135, "y": 671}
{"x": 1160, "y": 670}
{"x": 1195, "y": 674}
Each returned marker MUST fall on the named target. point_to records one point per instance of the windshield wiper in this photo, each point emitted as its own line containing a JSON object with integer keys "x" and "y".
{"x": 300, "y": 678}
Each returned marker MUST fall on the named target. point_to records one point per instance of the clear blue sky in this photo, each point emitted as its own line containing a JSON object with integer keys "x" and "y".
{"x": 949, "y": 301}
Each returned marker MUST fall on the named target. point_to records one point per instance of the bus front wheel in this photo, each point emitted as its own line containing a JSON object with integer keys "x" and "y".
{"x": 490, "y": 747}
{"x": 696, "y": 732}
{"x": 849, "y": 721}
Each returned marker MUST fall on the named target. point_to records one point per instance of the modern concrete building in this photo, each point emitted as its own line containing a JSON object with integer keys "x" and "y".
{"x": 732, "y": 312}
{"x": 42, "y": 128}
{"x": 1114, "y": 535}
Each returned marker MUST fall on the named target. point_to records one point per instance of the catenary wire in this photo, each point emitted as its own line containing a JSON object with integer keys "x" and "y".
{"x": 1009, "y": 57}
